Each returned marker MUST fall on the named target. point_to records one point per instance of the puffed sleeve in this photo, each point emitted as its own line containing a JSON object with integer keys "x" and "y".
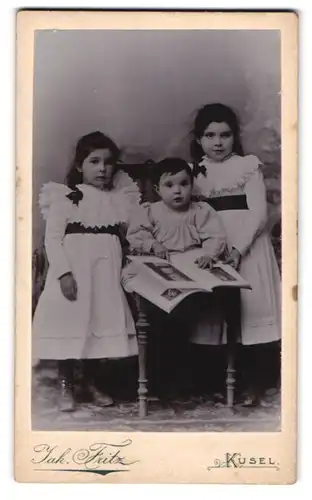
{"x": 57, "y": 220}
{"x": 56, "y": 210}
{"x": 210, "y": 230}
{"x": 256, "y": 199}
{"x": 140, "y": 230}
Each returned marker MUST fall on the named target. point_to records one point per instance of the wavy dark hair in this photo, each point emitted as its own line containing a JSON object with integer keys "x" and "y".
{"x": 217, "y": 113}
{"x": 85, "y": 146}
{"x": 170, "y": 166}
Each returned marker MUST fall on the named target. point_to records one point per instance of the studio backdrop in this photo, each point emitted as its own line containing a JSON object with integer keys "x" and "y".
{"x": 143, "y": 88}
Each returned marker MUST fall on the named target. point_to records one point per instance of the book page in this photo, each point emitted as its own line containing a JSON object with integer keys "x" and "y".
{"x": 153, "y": 268}
{"x": 219, "y": 276}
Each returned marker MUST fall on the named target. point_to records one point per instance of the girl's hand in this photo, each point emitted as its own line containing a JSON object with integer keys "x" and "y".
{"x": 129, "y": 272}
{"x": 205, "y": 262}
{"x": 160, "y": 251}
{"x": 234, "y": 258}
{"x": 69, "y": 286}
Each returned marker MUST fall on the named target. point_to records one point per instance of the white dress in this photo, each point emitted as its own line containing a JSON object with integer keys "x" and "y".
{"x": 245, "y": 230}
{"x": 99, "y": 323}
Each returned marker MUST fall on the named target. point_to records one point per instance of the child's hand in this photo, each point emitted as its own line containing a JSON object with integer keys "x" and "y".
{"x": 129, "y": 272}
{"x": 233, "y": 259}
{"x": 205, "y": 262}
{"x": 160, "y": 251}
{"x": 69, "y": 286}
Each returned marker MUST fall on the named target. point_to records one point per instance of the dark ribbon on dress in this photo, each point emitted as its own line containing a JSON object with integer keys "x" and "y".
{"x": 199, "y": 169}
{"x": 75, "y": 196}
{"x": 78, "y": 228}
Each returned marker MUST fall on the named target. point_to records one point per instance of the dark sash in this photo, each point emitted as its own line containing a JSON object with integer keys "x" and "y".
{"x": 233, "y": 202}
{"x": 78, "y": 228}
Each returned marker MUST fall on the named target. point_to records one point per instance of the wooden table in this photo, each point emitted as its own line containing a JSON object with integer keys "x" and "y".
{"x": 231, "y": 299}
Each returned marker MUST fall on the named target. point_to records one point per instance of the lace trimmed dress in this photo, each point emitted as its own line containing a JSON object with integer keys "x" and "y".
{"x": 83, "y": 231}
{"x": 236, "y": 190}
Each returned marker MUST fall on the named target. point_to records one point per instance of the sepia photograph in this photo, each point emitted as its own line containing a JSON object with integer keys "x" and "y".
{"x": 156, "y": 143}
{"x": 156, "y": 259}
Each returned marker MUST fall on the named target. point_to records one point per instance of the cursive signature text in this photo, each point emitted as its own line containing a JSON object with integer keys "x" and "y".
{"x": 92, "y": 457}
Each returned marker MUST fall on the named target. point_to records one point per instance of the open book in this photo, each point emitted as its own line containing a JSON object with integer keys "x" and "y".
{"x": 166, "y": 283}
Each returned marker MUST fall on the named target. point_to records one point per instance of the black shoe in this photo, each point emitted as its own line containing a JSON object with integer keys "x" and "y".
{"x": 250, "y": 399}
{"x": 99, "y": 398}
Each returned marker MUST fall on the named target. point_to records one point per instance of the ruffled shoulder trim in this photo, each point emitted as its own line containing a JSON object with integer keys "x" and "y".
{"x": 250, "y": 164}
{"x": 125, "y": 202}
{"x": 121, "y": 201}
{"x": 122, "y": 179}
{"x": 52, "y": 193}
{"x": 127, "y": 187}
{"x": 230, "y": 175}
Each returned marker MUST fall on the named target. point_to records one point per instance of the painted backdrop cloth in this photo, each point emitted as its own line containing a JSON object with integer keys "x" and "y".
{"x": 99, "y": 323}
{"x": 245, "y": 230}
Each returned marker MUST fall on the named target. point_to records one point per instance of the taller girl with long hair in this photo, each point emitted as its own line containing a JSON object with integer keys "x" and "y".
{"x": 233, "y": 184}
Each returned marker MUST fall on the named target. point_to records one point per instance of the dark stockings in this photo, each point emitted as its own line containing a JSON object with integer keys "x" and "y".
{"x": 259, "y": 370}
{"x": 91, "y": 383}
{"x": 168, "y": 356}
{"x": 67, "y": 377}
{"x": 66, "y": 369}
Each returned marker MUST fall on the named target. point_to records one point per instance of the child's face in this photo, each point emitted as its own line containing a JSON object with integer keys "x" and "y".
{"x": 217, "y": 141}
{"x": 98, "y": 168}
{"x": 175, "y": 190}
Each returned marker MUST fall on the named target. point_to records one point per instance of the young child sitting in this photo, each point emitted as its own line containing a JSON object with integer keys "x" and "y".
{"x": 177, "y": 224}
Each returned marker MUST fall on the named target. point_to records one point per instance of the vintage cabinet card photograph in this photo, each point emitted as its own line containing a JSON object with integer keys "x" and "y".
{"x": 156, "y": 292}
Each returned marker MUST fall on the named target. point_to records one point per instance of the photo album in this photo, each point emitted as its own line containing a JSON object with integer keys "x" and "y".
{"x": 166, "y": 283}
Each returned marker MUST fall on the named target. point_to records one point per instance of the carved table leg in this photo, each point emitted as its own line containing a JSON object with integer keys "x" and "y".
{"x": 142, "y": 326}
{"x": 230, "y": 376}
{"x": 233, "y": 319}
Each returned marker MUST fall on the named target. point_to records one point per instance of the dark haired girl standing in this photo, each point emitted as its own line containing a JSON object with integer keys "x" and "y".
{"x": 83, "y": 313}
{"x": 233, "y": 184}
